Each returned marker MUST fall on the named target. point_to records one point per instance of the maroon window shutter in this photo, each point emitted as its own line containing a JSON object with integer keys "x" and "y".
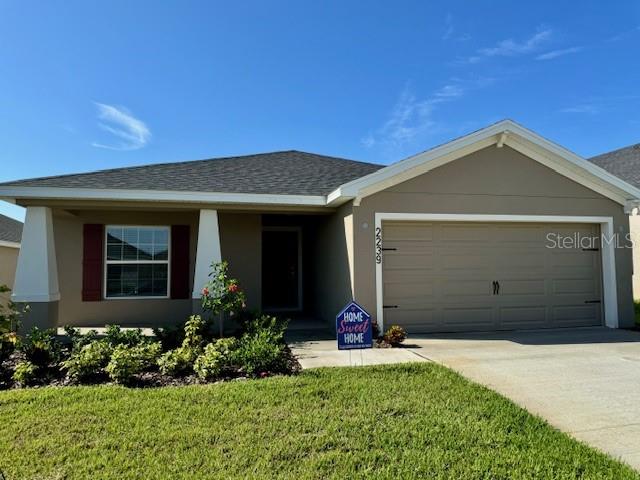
{"x": 180, "y": 261}
{"x": 92, "y": 262}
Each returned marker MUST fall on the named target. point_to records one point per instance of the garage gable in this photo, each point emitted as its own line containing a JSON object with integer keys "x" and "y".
{"x": 500, "y": 172}
{"x": 500, "y": 135}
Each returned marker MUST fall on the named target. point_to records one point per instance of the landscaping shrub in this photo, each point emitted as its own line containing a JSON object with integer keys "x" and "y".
{"x": 41, "y": 347}
{"x": 274, "y": 325}
{"x": 215, "y": 358}
{"x": 259, "y": 352}
{"x": 9, "y": 322}
{"x": 226, "y": 345}
{"x": 209, "y": 365}
{"x": 89, "y": 361}
{"x": 126, "y": 360}
{"x": 114, "y": 335}
{"x": 179, "y": 361}
{"x": 395, "y": 335}
{"x": 170, "y": 336}
{"x": 24, "y": 373}
{"x": 78, "y": 340}
{"x": 7, "y": 345}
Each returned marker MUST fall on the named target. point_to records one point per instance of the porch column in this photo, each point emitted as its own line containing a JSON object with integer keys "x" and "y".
{"x": 207, "y": 251}
{"x": 36, "y": 281}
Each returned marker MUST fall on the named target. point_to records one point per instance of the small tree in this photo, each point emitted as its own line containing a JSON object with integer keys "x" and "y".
{"x": 221, "y": 295}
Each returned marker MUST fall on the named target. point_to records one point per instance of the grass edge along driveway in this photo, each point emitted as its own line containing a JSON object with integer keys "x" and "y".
{"x": 393, "y": 421}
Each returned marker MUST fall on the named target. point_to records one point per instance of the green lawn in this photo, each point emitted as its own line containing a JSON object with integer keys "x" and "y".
{"x": 396, "y": 422}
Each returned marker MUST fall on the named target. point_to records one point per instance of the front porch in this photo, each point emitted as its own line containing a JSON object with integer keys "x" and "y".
{"x": 292, "y": 264}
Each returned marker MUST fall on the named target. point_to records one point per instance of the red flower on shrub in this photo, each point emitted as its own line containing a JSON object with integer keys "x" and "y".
{"x": 233, "y": 288}
{"x": 205, "y": 291}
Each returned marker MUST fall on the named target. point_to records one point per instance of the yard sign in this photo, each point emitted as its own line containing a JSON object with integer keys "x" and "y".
{"x": 353, "y": 327}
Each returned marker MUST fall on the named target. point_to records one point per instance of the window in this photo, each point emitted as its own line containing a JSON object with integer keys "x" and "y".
{"x": 137, "y": 262}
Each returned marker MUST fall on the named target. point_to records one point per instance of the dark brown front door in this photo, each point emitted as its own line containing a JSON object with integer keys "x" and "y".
{"x": 281, "y": 270}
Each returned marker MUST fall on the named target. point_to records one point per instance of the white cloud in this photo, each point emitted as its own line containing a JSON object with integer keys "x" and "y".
{"x": 584, "y": 108}
{"x": 624, "y": 35}
{"x": 449, "y": 32}
{"x": 448, "y": 27}
{"x": 511, "y": 48}
{"x": 558, "y": 53}
{"x": 409, "y": 118}
{"x": 412, "y": 118}
{"x": 132, "y": 133}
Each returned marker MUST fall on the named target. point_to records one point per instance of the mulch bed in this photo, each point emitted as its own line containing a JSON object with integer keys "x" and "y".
{"x": 55, "y": 377}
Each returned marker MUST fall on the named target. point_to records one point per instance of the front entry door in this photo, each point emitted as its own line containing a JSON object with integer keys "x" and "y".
{"x": 281, "y": 286}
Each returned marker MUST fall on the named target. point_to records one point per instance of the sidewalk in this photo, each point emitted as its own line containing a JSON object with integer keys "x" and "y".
{"x": 323, "y": 352}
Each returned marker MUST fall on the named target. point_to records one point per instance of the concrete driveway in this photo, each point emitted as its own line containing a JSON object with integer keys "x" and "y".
{"x": 584, "y": 381}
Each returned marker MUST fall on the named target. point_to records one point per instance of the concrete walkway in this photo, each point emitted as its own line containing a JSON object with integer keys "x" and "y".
{"x": 325, "y": 353}
{"x": 584, "y": 381}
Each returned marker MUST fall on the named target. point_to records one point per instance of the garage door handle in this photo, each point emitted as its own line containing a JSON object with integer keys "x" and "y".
{"x": 390, "y": 306}
{"x": 496, "y": 288}
{"x": 389, "y": 249}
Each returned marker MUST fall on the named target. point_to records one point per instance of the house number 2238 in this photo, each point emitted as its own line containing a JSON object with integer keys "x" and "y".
{"x": 378, "y": 245}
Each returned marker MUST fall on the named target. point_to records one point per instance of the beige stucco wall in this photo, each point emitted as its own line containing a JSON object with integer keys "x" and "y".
{"x": 490, "y": 181}
{"x": 8, "y": 261}
{"x": 240, "y": 245}
{"x": 334, "y": 263}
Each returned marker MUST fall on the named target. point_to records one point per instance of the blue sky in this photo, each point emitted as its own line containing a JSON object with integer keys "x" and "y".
{"x": 94, "y": 85}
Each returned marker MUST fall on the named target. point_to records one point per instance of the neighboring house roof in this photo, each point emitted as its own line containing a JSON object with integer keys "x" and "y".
{"x": 10, "y": 230}
{"x": 278, "y": 173}
{"x": 623, "y": 163}
{"x": 304, "y": 179}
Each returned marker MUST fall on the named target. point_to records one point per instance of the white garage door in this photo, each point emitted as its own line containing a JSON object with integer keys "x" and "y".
{"x": 446, "y": 277}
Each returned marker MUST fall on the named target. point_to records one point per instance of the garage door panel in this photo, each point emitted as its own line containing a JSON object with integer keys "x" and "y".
{"x": 464, "y": 289}
{"x": 468, "y": 318}
{"x": 407, "y": 261}
{"x": 408, "y": 290}
{"x": 463, "y": 233}
{"x": 518, "y": 234}
{"x": 414, "y": 320}
{"x": 523, "y": 316}
{"x": 441, "y": 275}
{"x": 573, "y": 258}
{"x": 519, "y": 258}
{"x": 576, "y": 315}
{"x": 575, "y": 286}
{"x": 410, "y": 231}
{"x": 465, "y": 259}
{"x": 522, "y": 287}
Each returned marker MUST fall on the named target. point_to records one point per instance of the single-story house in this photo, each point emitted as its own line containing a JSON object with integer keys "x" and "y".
{"x": 499, "y": 229}
{"x": 10, "y": 235}
{"x": 625, "y": 164}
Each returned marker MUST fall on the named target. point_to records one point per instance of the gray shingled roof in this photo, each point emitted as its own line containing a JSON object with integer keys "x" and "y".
{"x": 10, "y": 229}
{"x": 284, "y": 173}
{"x": 623, "y": 163}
